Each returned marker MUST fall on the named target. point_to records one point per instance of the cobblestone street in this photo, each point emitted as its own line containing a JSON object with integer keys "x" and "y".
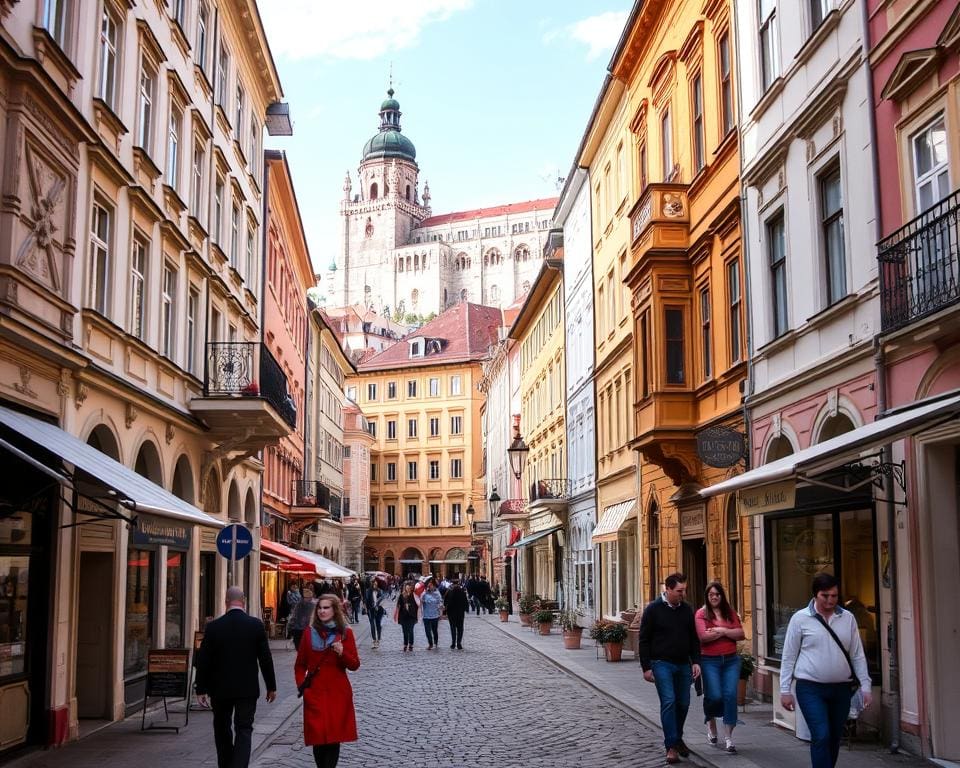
{"x": 496, "y": 703}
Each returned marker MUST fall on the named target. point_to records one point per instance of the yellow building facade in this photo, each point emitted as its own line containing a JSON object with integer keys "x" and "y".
{"x": 422, "y": 404}
{"x": 539, "y": 332}
{"x": 685, "y": 280}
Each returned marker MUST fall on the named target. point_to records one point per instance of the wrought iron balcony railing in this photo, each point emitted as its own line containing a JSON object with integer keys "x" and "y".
{"x": 247, "y": 369}
{"x": 310, "y": 493}
{"x": 550, "y": 489}
{"x": 512, "y": 507}
{"x": 919, "y": 266}
{"x": 481, "y": 527}
{"x": 335, "y": 507}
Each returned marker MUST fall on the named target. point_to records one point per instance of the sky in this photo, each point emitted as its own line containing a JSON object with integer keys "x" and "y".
{"x": 494, "y": 94}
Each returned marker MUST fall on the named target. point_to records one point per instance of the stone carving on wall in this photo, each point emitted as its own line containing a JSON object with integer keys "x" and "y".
{"x": 169, "y": 433}
{"x": 131, "y": 415}
{"x": 37, "y": 255}
{"x": 672, "y": 205}
{"x": 24, "y": 386}
{"x": 81, "y": 395}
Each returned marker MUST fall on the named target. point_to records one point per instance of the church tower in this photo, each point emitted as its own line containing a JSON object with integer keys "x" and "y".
{"x": 377, "y": 214}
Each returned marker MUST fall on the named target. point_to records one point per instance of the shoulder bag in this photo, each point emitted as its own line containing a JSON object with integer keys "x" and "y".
{"x": 854, "y": 681}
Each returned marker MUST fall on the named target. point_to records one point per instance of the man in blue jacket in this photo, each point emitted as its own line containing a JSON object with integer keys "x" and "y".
{"x": 670, "y": 657}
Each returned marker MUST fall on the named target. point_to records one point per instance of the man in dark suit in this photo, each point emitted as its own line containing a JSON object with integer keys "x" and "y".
{"x": 455, "y": 603}
{"x": 232, "y": 648}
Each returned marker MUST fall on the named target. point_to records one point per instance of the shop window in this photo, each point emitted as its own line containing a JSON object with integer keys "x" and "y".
{"x": 176, "y": 596}
{"x": 14, "y": 583}
{"x": 138, "y": 623}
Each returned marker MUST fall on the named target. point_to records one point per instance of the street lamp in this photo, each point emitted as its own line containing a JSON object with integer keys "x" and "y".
{"x": 517, "y": 452}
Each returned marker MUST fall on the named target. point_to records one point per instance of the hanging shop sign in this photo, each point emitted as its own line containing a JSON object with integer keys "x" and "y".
{"x": 772, "y": 497}
{"x": 157, "y": 530}
{"x": 720, "y": 446}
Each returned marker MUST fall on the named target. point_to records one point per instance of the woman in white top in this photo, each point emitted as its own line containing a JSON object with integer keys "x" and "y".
{"x": 824, "y": 677}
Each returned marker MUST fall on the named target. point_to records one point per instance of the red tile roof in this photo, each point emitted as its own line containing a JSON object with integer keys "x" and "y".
{"x": 466, "y": 330}
{"x": 547, "y": 203}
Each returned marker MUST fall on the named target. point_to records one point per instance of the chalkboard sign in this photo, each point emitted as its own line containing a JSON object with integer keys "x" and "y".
{"x": 168, "y": 672}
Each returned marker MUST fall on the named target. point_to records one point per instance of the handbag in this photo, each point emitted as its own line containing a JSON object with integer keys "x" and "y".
{"x": 854, "y": 682}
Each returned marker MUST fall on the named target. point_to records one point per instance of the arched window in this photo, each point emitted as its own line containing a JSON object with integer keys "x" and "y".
{"x": 400, "y": 264}
{"x": 494, "y": 295}
{"x": 409, "y": 263}
{"x": 374, "y": 191}
{"x": 653, "y": 550}
{"x": 779, "y": 448}
{"x": 464, "y": 295}
{"x": 407, "y": 195}
{"x": 836, "y": 425}
{"x": 521, "y": 253}
{"x": 734, "y": 554}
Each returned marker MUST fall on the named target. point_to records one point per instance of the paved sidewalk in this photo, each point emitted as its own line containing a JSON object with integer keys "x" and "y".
{"x": 759, "y": 742}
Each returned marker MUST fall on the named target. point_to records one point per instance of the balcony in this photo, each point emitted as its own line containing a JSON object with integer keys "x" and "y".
{"x": 549, "y": 495}
{"x": 512, "y": 509}
{"x": 919, "y": 266}
{"x": 661, "y": 218}
{"x": 313, "y": 500}
{"x": 245, "y": 400}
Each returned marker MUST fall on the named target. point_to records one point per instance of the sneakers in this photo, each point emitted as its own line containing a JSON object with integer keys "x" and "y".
{"x": 730, "y": 747}
{"x": 376, "y": 644}
{"x": 672, "y": 756}
{"x": 711, "y": 736}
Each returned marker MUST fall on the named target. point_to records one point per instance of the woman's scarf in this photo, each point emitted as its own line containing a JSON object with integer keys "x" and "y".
{"x": 320, "y": 642}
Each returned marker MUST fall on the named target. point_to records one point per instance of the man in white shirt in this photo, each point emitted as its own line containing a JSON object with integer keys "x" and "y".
{"x": 824, "y": 678}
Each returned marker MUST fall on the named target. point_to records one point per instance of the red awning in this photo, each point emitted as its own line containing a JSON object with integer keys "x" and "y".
{"x": 287, "y": 560}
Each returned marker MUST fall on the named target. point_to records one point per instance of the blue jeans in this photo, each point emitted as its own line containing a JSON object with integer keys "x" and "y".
{"x": 430, "y": 630}
{"x": 376, "y": 619}
{"x": 407, "y": 626}
{"x": 825, "y": 707}
{"x": 673, "y": 687}
{"x": 720, "y": 677}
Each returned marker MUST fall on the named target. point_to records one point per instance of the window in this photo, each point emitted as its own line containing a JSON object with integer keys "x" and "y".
{"x": 434, "y": 515}
{"x": 391, "y": 516}
{"x": 145, "y": 95}
{"x": 373, "y": 473}
{"x": 180, "y": 11}
{"x": 666, "y": 146}
{"x": 173, "y": 144}
{"x": 733, "y": 290}
{"x": 139, "y": 609}
{"x": 434, "y": 387}
{"x": 55, "y": 20}
{"x": 391, "y": 429}
{"x": 434, "y": 469}
{"x": 412, "y": 388}
{"x": 391, "y": 471}
{"x": 643, "y": 165}
{"x": 391, "y": 390}
{"x": 411, "y": 427}
{"x": 372, "y": 428}
{"x": 107, "y": 54}
{"x": 100, "y": 234}
{"x": 931, "y": 170}
{"x": 412, "y": 515}
{"x": 653, "y": 551}
{"x": 434, "y": 426}
{"x": 769, "y": 48}
{"x": 456, "y": 425}
{"x": 698, "y": 139}
{"x": 411, "y": 470}
{"x": 371, "y": 392}
{"x": 456, "y": 469}
{"x": 706, "y": 338}
{"x": 223, "y": 75}
{"x": 218, "y": 209}
{"x": 251, "y": 253}
{"x": 456, "y": 384}
{"x": 645, "y": 354}
{"x": 673, "y": 324}
{"x": 726, "y": 85}
{"x": 193, "y": 312}
{"x": 818, "y": 12}
{"x": 456, "y": 514}
{"x": 831, "y": 212}
{"x": 168, "y": 311}
{"x": 235, "y": 237}
{"x": 254, "y": 143}
{"x": 777, "y": 251}
{"x": 196, "y": 178}
{"x": 373, "y": 515}
{"x": 203, "y": 31}
{"x": 238, "y": 118}
{"x": 138, "y": 276}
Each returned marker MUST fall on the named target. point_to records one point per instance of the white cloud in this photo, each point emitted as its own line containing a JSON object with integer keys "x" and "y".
{"x": 599, "y": 33}
{"x": 361, "y": 29}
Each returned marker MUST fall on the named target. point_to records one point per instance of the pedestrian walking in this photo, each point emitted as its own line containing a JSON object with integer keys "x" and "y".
{"x": 431, "y": 603}
{"x": 670, "y": 657}
{"x": 375, "y": 610}
{"x": 456, "y": 606}
{"x": 355, "y": 597}
{"x": 325, "y": 654}
{"x": 232, "y": 649}
{"x": 301, "y": 616}
{"x": 823, "y": 654}
{"x": 406, "y": 614}
{"x": 719, "y": 629}
{"x": 290, "y": 599}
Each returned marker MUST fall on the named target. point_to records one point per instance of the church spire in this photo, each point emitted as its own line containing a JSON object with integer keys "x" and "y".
{"x": 390, "y": 113}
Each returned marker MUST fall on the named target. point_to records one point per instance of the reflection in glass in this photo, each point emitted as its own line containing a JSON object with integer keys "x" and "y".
{"x": 139, "y": 612}
{"x": 14, "y": 580}
{"x": 175, "y": 599}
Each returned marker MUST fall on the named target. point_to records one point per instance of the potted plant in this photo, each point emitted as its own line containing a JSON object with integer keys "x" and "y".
{"x": 748, "y": 665}
{"x": 572, "y": 632}
{"x": 614, "y": 633}
{"x": 527, "y": 605}
{"x": 503, "y": 608}
{"x": 544, "y": 618}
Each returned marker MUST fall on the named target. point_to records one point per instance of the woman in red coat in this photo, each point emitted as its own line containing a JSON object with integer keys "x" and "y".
{"x": 326, "y": 652}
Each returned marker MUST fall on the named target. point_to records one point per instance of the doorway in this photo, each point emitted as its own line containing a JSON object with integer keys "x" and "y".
{"x": 695, "y": 569}
{"x": 94, "y": 624}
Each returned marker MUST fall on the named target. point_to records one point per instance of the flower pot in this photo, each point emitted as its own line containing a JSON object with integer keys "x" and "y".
{"x": 571, "y": 638}
{"x": 525, "y": 620}
{"x": 545, "y": 627}
{"x": 613, "y": 651}
{"x": 504, "y": 616}
{"x": 741, "y": 693}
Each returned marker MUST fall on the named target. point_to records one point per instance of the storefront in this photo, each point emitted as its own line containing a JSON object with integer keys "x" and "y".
{"x": 616, "y": 540}
{"x": 538, "y": 563}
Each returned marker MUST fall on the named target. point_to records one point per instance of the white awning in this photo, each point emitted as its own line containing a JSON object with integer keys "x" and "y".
{"x": 613, "y": 520}
{"x": 846, "y": 447}
{"x": 448, "y": 562}
{"x": 325, "y": 567}
{"x": 134, "y": 491}
{"x": 527, "y": 540}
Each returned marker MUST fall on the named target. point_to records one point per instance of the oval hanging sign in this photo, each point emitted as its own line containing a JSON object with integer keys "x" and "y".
{"x": 721, "y": 446}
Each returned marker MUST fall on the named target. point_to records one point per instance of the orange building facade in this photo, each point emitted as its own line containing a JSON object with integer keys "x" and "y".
{"x": 686, "y": 284}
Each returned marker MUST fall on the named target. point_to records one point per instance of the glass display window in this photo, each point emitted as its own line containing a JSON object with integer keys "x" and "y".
{"x": 138, "y": 625}
{"x": 175, "y": 598}
{"x": 14, "y": 581}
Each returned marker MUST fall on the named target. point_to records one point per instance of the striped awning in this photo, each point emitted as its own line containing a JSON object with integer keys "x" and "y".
{"x": 613, "y": 519}
{"x": 528, "y": 540}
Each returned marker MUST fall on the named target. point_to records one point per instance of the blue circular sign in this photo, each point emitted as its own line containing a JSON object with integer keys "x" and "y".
{"x": 240, "y": 534}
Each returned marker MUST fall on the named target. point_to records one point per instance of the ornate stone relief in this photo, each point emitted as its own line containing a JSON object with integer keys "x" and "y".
{"x": 811, "y": 149}
{"x": 81, "y": 395}
{"x": 37, "y": 255}
{"x": 672, "y": 205}
{"x": 777, "y": 423}
{"x": 131, "y": 415}
{"x": 833, "y": 397}
{"x": 63, "y": 385}
{"x": 24, "y": 386}
{"x": 169, "y": 433}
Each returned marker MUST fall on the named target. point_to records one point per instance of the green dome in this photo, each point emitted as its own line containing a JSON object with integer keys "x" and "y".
{"x": 390, "y": 144}
{"x": 390, "y": 104}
